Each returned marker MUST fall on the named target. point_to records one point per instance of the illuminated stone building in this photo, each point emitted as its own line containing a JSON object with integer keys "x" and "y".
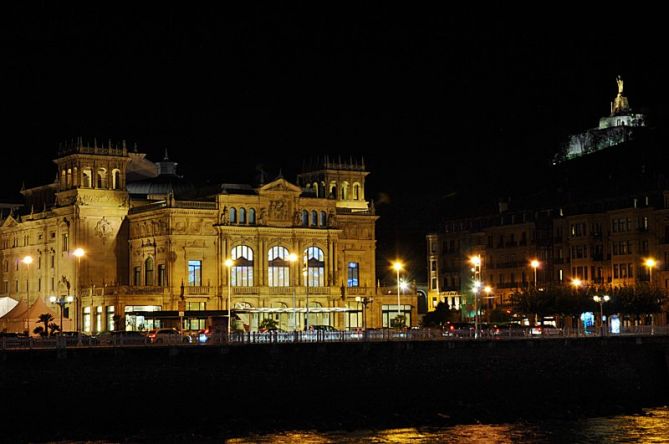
{"x": 155, "y": 243}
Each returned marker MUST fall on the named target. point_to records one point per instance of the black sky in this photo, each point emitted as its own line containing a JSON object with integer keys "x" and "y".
{"x": 439, "y": 101}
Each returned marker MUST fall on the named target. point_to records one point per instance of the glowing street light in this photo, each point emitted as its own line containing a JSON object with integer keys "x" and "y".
{"x": 397, "y": 266}
{"x": 78, "y": 253}
{"x": 650, "y": 263}
{"x": 576, "y": 283}
{"x": 292, "y": 258}
{"x": 534, "y": 263}
{"x": 229, "y": 263}
{"x": 62, "y": 301}
{"x": 27, "y": 260}
{"x": 601, "y": 301}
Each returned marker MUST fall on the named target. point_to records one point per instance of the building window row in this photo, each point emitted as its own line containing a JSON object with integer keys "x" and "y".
{"x": 242, "y": 216}
{"x": 313, "y": 218}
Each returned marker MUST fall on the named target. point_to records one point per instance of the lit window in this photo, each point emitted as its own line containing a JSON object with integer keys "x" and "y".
{"x": 194, "y": 273}
{"x": 278, "y": 271}
{"x": 353, "y": 274}
{"x": 242, "y": 270}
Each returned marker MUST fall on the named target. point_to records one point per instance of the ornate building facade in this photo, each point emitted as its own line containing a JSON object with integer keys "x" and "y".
{"x": 302, "y": 254}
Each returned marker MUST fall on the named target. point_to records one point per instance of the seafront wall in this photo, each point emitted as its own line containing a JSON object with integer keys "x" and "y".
{"x": 118, "y": 392}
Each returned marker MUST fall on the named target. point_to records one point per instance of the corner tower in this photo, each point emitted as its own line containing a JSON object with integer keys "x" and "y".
{"x": 337, "y": 179}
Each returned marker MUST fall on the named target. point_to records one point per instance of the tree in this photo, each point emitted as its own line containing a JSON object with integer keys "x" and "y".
{"x": 44, "y": 318}
{"x": 442, "y": 315}
{"x": 398, "y": 321}
{"x": 268, "y": 324}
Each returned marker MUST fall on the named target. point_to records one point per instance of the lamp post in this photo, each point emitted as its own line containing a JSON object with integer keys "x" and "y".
{"x": 62, "y": 301}
{"x": 306, "y": 287}
{"x": 78, "y": 253}
{"x": 364, "y": 300}
{"x": 477, "y": 287}
{"x": 601, "y": 301}
{"x": 229, "y": 263}
{"x": 27, "y": 260}
{"x": 534, "y": 263}
{"x": 576, "y": 284}
{"x": 397, "y": 266}
{"x": 650, "y": 264}
{"x": 292, "y": 258}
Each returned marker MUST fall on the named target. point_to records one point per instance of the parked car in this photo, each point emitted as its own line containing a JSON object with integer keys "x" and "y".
{"x": 74, "y": 338}
{"x": 459, "y": 329}
{"x": 121, "y": 337}
{"x": 546, "y": 330}
{"x": 168, "y": 336}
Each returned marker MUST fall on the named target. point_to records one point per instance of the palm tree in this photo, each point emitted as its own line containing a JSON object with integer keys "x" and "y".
{"x": 45, "y": 318}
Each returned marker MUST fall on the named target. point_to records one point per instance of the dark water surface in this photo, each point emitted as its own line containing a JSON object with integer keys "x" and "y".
{"x": 651, "y": 425}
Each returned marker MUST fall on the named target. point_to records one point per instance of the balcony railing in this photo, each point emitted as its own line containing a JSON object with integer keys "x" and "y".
{"x": 197, "y": 290}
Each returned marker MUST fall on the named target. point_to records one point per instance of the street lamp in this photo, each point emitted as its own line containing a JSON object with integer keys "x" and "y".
{"x": 534, "y": 263}
{"x": 229, "y": 263}
{"x": 292, "y": 258}
{"x": 650, "y": 264}
{"x": 78, "y": 253}
{"x": 601, "y": 301}
{"x": 28, "y": 260}
{"x": 397, "y": 266}
{"x": 364, "y": 300}
{"x": 62, "y": 301}
{"x": 477, "y": 287}
{"x": 576, "y": 283}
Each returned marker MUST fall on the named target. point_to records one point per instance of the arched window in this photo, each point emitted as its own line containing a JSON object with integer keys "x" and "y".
{"x": 62, "y": 179}
{"x": 75, "y": 176}
{"x": 278, "y": 267}
{"x": 69, "y": 177}
{"x": 333, "y": 190}
{"x": 242, "y": 216}
{"x": 148, "y": 271}
{"x": 344, "y": 191}
{"x": 316, "y": 188}
{"x": 101, "y": 180}
{"x": 313, "y": 256}
{"x": 87, "y": 178}
{"x": 233, "y": 216}
{"x": 322, "y": 190}
{"x": 356, "y": 191}
{"x": 116, "y": 179}
{"x": 242, "y": 270}
{"x": 252, "y": 216}
{"x": 324, "y": 219}
{"x": 305, "y": 218}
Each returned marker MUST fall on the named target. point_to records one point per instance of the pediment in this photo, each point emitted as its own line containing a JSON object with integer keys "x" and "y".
{"x": 9, "y": 222}
{"x": 280, "y": 185}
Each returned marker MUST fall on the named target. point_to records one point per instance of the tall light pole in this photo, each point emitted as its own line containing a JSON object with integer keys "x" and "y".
{"x": 28, "y": 260}
{"x": 78, "y": 253}
{"x": 306, "y": 286}
{"x": 229, "y": 263}
{"x": 397, "y": 266}
{"x": 476, "y": 269}
{"x": 601, "y": 301}
{"x": 477, "y": 288}
{"x": 650, "y": 264}
{"x": 292, "y": 258}
{"x": 62, "y": 301}
{"x": 534, "y": 263}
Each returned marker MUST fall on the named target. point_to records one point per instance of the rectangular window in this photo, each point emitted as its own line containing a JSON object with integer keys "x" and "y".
{"x": 196, "y": 306}
{"x": 16, "y": 285}
{"x": 434, "y": 283}
{"x": 66, "y": 238}
{"x": 53, "y": 261}
{"x": 39, "y": 262}
{"x": 137, "y": 280}
{"x": 39, "y": 284}
{"x": 110, "y": 318}
{"x": 87, "y": 319}
{"x": 433, "y": 265}
{"x": 354, "y": 274}
{"x": 161, "y": 275}
{"x": 195, "y": 273}
{"x": 98, "y": 319}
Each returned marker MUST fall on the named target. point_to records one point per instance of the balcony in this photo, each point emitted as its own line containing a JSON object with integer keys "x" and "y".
{"x": 197, "y": 290}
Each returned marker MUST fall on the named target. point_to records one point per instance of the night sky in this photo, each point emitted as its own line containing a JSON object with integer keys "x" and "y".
{"x": 442, "y": 103}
